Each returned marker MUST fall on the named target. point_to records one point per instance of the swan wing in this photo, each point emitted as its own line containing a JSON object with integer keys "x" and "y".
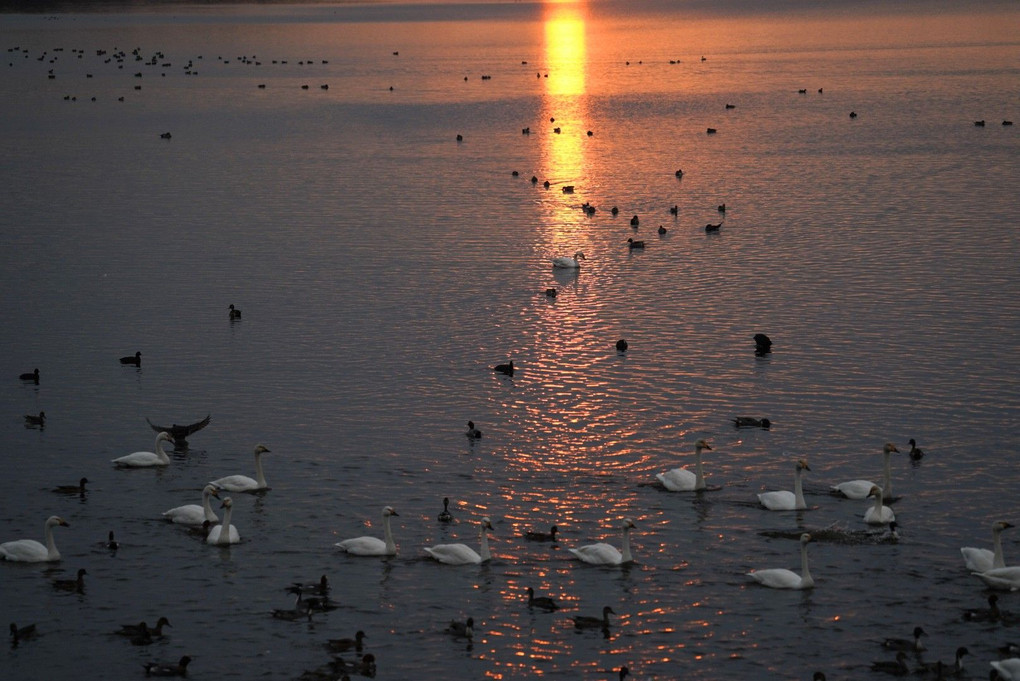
{"x": 978, "y": 560}
{"x": 1002, "y": 578}
{"x": 778, "y": 501}
{"x": 24, "y": 551}
{"x": 364, "y": 546}
{"x": 138, "y": 460}
{"x": 598, "y": 554}
{"x": 678, "y": 480}
{"x": 236, "y": 483}
{"x": 777, "y": 578}
{"x": 854, "y": 489}
{"x": 191, "y": 514}
{"x": 454, "y": 554}
{"x": 882, "y": 516}
{"x": 564, "y": 261}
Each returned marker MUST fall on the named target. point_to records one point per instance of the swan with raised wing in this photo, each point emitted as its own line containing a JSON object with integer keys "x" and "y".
{"x": 373, "y": 546}
{"x": 147, "y": 459}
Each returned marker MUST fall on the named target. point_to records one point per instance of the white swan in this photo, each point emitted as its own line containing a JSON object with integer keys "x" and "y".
{"x": 31, "y": 551}
{"x": 681, "y": 479}
{"x": 567, "y": 262}
{"x": 878, "y": 514}
{"x": 193, "y": 514}
{"x": 147, "y": 459}
{"x": 781, "y": 578}
{"x": 242, "y": 483}
{"x": 373, "y": 546}
{"x": 217, "y": 535}
{"x": 785, "y": 500}
{"x": 460, "y": 554}
{"x": 860, "y": 489}
{"x": 607, "y": 554}
{"x": 1007, "y": 578}
{"x": 1008, "y": 669}
{"x": 981, "y": 560}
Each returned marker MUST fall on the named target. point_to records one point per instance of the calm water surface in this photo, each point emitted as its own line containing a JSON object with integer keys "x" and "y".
{"x": 383, "y": 267}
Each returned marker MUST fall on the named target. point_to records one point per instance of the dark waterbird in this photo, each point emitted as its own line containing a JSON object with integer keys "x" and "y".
{"x": 465, "y": 629}
{"x": 621, "y": 345}
{"x": 916, "y": 454}
{"x": 234, "y": 312}
{"x": 31, "y": 376}
{"x": 72, "y": 489}
{"x": 543, "y": 602}
{"x": 168, "y": 669}
{"x": 534, "y": 535}
{"x": 751, "y": 422}
{"x": 713, "y": 228}
{"x": 507, "y": 369}
{"x": 906, "y": 644}
{"x": 319, "y": 587}
{"x": 71, "y": 584}
{"x": 762, "y": 344}
{"x": 897, "y": 667}
{"x": 635, "y": 244}
{"x": 588, "y": 622}
{"x": 342, "y": 645}
{"x": 112, "y": 543}
{"x": 180, "y": 433}
{"x": 445, "y": 516}
{"x": 33, "y": 421}
{"x": 634, "y": 221}
{"x": 19, "y": 634}
{"x": 132, "y": 360}
{"x": 472, "y": 432}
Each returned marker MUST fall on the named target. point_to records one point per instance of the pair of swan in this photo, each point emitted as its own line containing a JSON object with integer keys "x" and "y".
{"x": 861, "y": 489}
{"x": 220, "y": 536}
{"x": 242, "y": 483}
{"x": 194, "y": 515}
{"x": 607, "y": 554}
{"x": 31, "y": 551}
{"x": 785, "y": 500}
{"x": 461, "y": 554}
{"x": 147, "y": 459}
{"x": 681, "y": 479}
{"x": 781, "y": 578}
{"x": 566, "y": 262}
{"x": 982, "y": 560}
{"x": 373, "y": 546}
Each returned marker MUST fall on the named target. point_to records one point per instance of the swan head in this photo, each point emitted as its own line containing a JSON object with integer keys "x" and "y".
{"x": 165, "y": 437}
{"x": 486, "y": 523}
{"x": 802, "y": 465}
{"x": 627, "y": 524}
{"x": 227, "y": 503}
{"x": 261, "y": 449}
{"x": 212, "y": 490}
{"x": 919, "y": 632}
{"x": 579, "y": 256}
{"x": 875, "y": 491}
{"x": 805, "y": 539}
{"x": 388, "y": 511}
{"x": 1001, "y": 525}
{"x": 702, "y": 444}
{"x": 890, "y": 447}
{"x": 55, "y": 520}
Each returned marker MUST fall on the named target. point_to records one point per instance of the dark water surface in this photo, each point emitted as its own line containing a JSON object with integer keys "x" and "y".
{"x": 383, "y": 268}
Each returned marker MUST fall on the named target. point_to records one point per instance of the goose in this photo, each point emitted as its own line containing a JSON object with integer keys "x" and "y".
{"x": 147, "y": 459}
{"x": 1006, "y": 578}
{"x": 373, "y": 546}
{"x": 31, "y": 551}
{"x": 915, "y": 454}
{"x": 342, "y": 645}
{"x": 30, "y": 376}
{"x": 320, "y": 587}
{"x": 506, "y": 369}
{"x": 242, "y": 483}
{"x": 589, "y": 622}
{"x": 906, "y": 644}
{"x": 72, "y": 489}
{"x": 861, "y": 489}
{"x": 459, "y": 629}
{"x": 445, "y": 516}
{"x": 781, "y": 578}
{"x": 897, "y": 667}
{"x": 785, "y": 500}
{"x": 681, "y": 479}
{"x": 168, "y": 669}
{"x": 194, "y": 515}
{"x": 536, "y": 535}
{"x": 878, "y": 514}
{"x": 1009, "y": 669}
{"x": 606, "y": 554}
{"x": 472, "y": 432}
{"x": 181, "y": 433}
{"x": 991, "y": 614}
{"x": 71, "y": 584}
{"x": 460, "y": 554}
{"x": 543, "y": 602}
{"x": 133, "y": 360}
{"x": 981, "y": 560}
{"x": 20, "y": 633}
{"x": 32, "y": 421}
{"x": 565, "y": 262}
{"x": 234, "y": 313}
{"x": 217, "y": 535}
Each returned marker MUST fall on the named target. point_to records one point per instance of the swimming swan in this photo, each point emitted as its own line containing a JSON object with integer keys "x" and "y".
{"x": 373, "y": 546}
{"x": 981, "y": 560}
{"x": 781, "y": 578}
{"x": 878, "y": 514}
{"x": 461, "y": 554}
{"x": 785, "y": 500}
{"x": 31, "y": 551}
{"x": 217, "y": 534}
{"x": 242, "y": 483}
{"x": 193, "y": 514}
{"x": 860, "y": 489}
{"x": 1008, "y": 669}
{"x": 147, "y": 459}
{"x": 681, "y": 479}
{"x": 569, "y": 263}
{"x": 1007, "y": 578}
{"x": 606, "y": 554}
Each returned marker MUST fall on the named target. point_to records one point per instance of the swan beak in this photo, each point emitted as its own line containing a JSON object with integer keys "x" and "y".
{"x": 64, "y": 523}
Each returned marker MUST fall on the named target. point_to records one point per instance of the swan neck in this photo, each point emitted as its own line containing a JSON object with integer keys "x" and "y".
{"x": 225, "y": 527}
{"x": 51, "y": 544}
{"x": 260, "y": 477}
{"x": 627, "y": 557}
{"x": 878, "y": 503}
{"x": 699, "y": 473}
{"x": 486, "y": 555}
{"x": 805, "y": 573}
{"x": 798, "y": 490}
{"x": 997, "y": 559}
{"x": 391, "y": 546}
{"x": 210, "y": 514}
{"x": 160, "y": 452}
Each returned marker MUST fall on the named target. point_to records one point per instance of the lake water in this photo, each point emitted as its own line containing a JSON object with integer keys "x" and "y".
{"x": 383, "y": 268}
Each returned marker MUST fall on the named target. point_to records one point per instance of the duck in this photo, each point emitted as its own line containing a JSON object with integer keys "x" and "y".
{"x": 897, "y": 667}
{"x": 550, "y": 293}
{"x": 1005, "y": 578}
{"x": 373, "y": 546}
{"x": 131, "y": 630}
{"x": 981, "y": 560}
{"x": 302, "y": 610}
{"x": 914, "y": 644}
{"x": 1008, "y": 670}
{"x": 781, "y": 578}
{"x": 320, "y": 587}
{"x": 133, "y": 360}
{"x": 722, "y": 208}
{"x": 111, "y": 543}
{"x": 181, "y": 433}
{"x": 536, "y": 535}
{"x": 915, "y": 454}
{"x": 878, "y": 514}
{"x": 30, "y": 376}
{"x": 220, "y": 536}
{"x": 589, "y": 622}
{"x": 193, "y": 515}
{"x": 472, "y": 432}
{"x": 146, "y": 459}
{"x": 674, "y": 210}
{"x": 681, "y": 479}
{"x": 543, "y": 602}
{"x": 168, "y": 669}
{"x": 242, "y": 483}
{"x": 342, "y": 645}
{"x": 72, "y": 489}
{"x": 71, "y": 584}
{"x": 606, "y": 554}
{"x": 312, "y": 604}
{"x": 19, "y": 634}
{"x": 861, "y": 489}
{"x": 31, "y": 551}
{"x": 445, "y": 516}
{"x": 635, "y": 244}
{"x": 505, "y": 369}
{"x": 662, "y": 230}
{"x": 458, "y": 629}
{"x": 785, "y": 500}
{"x": 713, "y": 228}
{"x": 751, "y": 422}
{"x": 234, "y": 313}
{"x": 364, "y": 667}
{"x": 33, "y": 421}
{"x": 634, "y": 221}
{"x": 614, "y": 210}
{"x": 570, "y": 263}
{"x": 621, "y": 345}
{"x": 762, "y": 344}
{"x": 991, "y": 614}
{"x": 461, "y": 554}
